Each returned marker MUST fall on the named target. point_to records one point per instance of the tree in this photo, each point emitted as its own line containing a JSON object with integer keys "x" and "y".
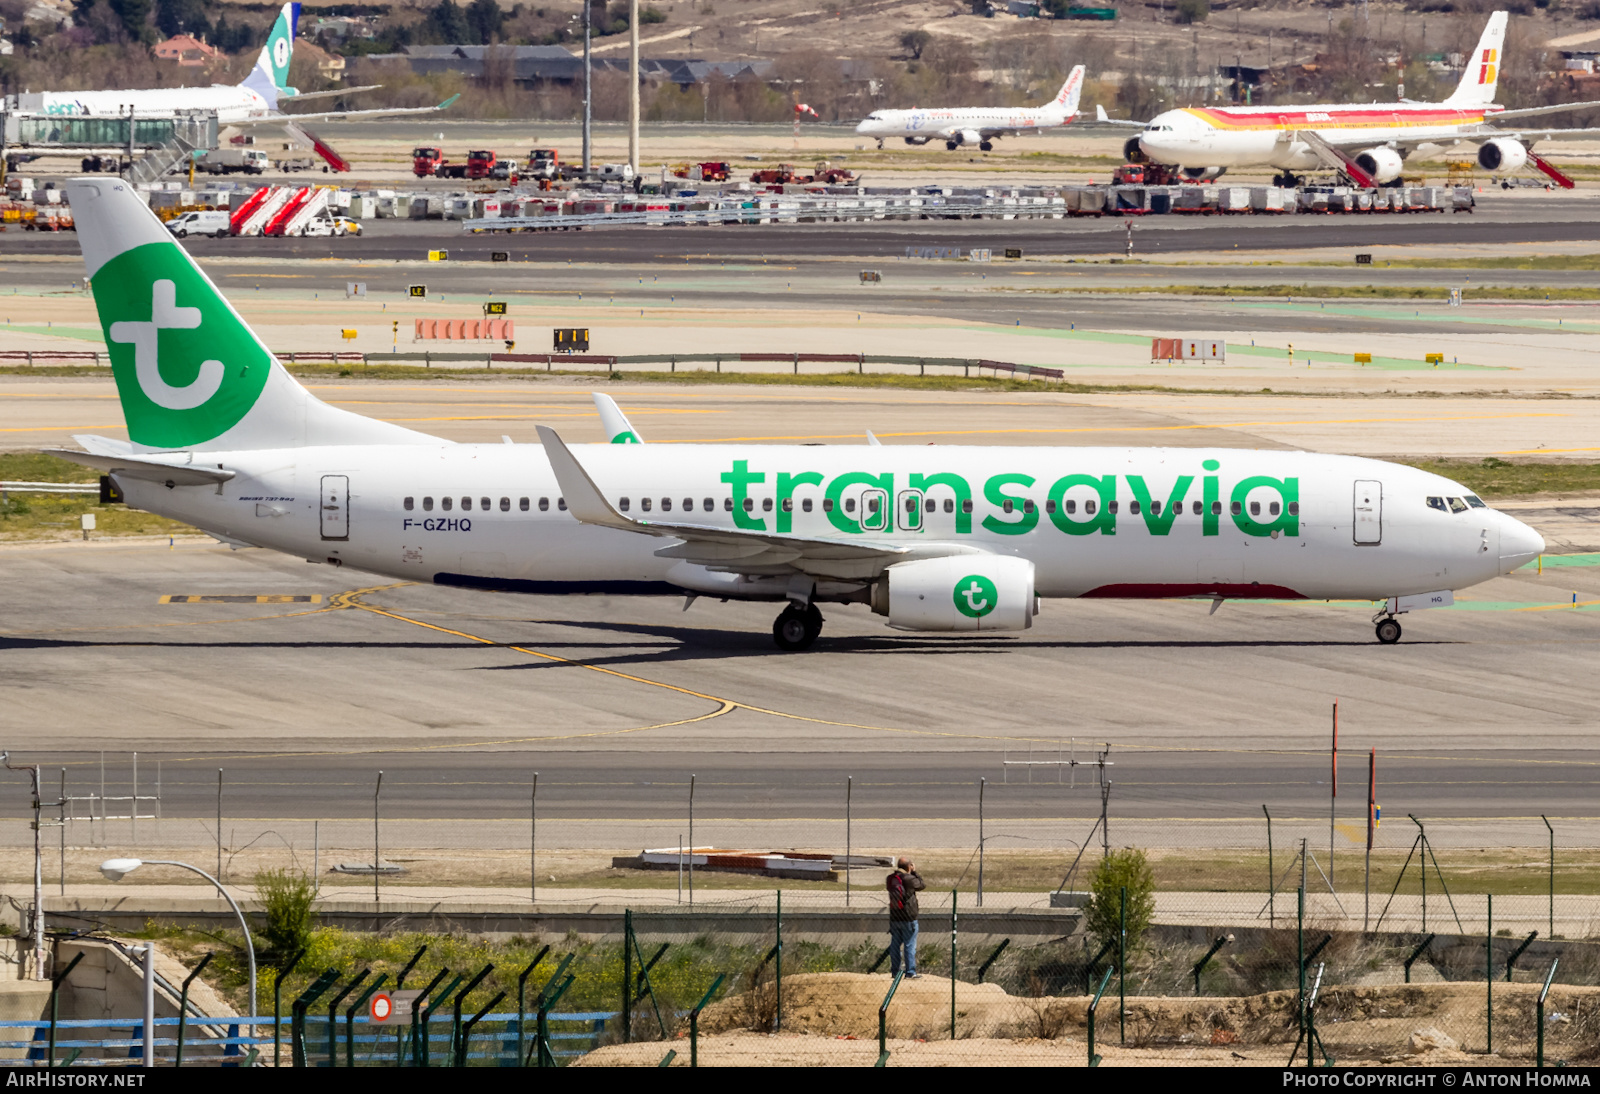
{"x": 182, "y": 17}
{"x": 485, "y": 19}
{"x": 1126, "y": 869}
{"x": 1192, "y": 11}
{"x": 448, "y": 23}
{"x": 914, "y": 42}
{"x": 135, "y": 16}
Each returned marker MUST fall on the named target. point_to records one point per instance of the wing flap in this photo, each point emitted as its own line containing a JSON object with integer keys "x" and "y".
{"x": 149, "y": 470}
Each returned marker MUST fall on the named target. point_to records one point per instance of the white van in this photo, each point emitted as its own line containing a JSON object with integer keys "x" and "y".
{"x": 203, "y": 222}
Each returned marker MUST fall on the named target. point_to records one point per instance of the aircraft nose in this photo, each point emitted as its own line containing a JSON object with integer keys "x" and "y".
{"x": 862, "y": 129}
{"x": 1519, "y": 544}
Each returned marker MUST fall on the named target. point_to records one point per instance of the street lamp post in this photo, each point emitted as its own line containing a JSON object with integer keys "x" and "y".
{"x": 117, "y": 868}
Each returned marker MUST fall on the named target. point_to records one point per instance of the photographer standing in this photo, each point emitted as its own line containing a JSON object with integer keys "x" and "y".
{"x": 903, "y": 885}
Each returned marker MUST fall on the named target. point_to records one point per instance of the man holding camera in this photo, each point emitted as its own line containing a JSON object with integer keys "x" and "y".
{"x": 903, "y": 885}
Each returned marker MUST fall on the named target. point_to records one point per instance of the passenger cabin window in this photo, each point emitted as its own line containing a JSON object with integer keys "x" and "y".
{"x": 710, "y": 505}
{"x": 1027, "y": 506}
{"x": 544, "y": 505}
{"x": 949, "y": 505}
{"x": 1112, "y": 504}
{"x": 1235, "y": 508}
{"x": 805, "y": 505}
{"x": 1438, "y": 503}
{"x": 827, "y": 505}
{"x": 522, "y": 503}
{"x": 622, "y": 503}
{"x": 466, "y": 505}
{"x": 1216, "y": 508}
{"x": 1273, "y": 509}
{"x": 1155, "y": 508}
{"x": 1008, "y": 506}
{"x": 1133, "y": 507}
{"x": 485, "y": 504}
{"x": 427, "y": 505}
{"x": 749, "y": 505}
{"x": 445, "y": 503}
{"x": 644, "y": 504}
{"x": 1197, "y": 509}
{"x": 666, "y": 505}
{"x": 408, "y": 504}
{"x": 766, "y": 505}
{"x": 966, "y": 505}
{"x": 1255, "y": 509}
{"x": 1476, "y": 502}
{"x": 1457, "y": 505}
{"x": 561, "y": 504}
{"x": 688, "y": 505}
{"x": 849, "y": 505}
{"x": 788, "y": 505}
{"x": 505, "y": 505}
{"x": 727, "y": 505}
{"x": 1088, "y": 507}
{"x": 1294, "y": 509}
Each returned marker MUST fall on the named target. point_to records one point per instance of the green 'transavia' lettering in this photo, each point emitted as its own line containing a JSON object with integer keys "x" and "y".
{"x": 741, "y": 478}
{"x": 1102, "y": 520}
{"x": 1023, "y": 516}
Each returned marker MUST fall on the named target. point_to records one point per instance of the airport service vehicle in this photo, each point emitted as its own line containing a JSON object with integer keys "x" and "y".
{"x": 255, "y": 101}
{"x": 709, "y": 171}
{"x": 1145, "y": 174}
{"x": 951, "y": 538}
{"x": 543, "y": 163}
{"x": 504, "y": 171}
{"x": 783, "y": 174}
{"x": 430, "y": 163}
{"x": 346, "y": 226}
{"x": 615, "y": 172}
{"x": 1368, "y": 142}
{"x": 481, "y": 163}
{"x": 200, "y": 222}
{"x": 227, "y": 161}
{"x": 974, "y": 125}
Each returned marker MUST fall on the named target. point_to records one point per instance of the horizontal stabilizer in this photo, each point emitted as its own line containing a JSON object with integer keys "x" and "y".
{"x": 175, "y": 474}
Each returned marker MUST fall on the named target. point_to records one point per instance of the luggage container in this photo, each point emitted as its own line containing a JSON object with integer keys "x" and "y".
{"x": 1161, "y": 199}
{"x": 1233, "y": 199}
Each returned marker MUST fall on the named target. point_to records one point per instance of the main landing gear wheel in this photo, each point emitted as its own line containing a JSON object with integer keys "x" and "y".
{"x": 1388, "y": 631}
{"x": 985, "y": 146}
{"x": 796, "y": 628}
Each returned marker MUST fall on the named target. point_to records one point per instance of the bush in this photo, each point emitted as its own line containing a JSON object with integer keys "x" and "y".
{"x": 1127, "y": 868}
{"x": 1192, "y": 11}
{"x": 286, "y": 897}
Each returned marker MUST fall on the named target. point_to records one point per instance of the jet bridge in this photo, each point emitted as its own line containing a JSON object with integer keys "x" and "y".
{"x": 158, "y": 143}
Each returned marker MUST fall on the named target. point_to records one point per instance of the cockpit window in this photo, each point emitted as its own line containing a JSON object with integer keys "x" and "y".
{"x": 1457, "y": 505}
{"x": 1438, "y": 503}
{"x": 1476, "y": 502}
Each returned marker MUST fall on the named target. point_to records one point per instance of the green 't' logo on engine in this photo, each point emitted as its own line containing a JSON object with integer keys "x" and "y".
{"x": 625, "y": 437}
{"x": 976, "y": 596}
{"x": 186, "y": 367}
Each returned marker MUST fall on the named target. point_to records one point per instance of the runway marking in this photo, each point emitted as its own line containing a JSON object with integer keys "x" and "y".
{"x": 243, "y": 598}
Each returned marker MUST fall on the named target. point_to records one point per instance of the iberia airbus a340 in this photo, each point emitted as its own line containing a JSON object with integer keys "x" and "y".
{"x": 946, "y": 538}
{"x": 1367, "y": 141}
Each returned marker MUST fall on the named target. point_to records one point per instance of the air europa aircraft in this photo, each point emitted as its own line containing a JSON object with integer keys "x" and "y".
{"x": 1368, "y": 141}
{"x": 974, "y": 125}
{"x": 935, "y": 538}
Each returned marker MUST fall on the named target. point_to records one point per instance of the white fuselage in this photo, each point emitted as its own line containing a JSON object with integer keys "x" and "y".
{"x": 232, "y": 104}
{"x": 1265, "y": 136}
{"x": 490, "y": 515}
{"x": 944, "y": 125}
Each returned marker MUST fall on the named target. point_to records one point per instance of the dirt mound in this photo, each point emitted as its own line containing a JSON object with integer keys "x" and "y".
{"x": 843, "y": 1004}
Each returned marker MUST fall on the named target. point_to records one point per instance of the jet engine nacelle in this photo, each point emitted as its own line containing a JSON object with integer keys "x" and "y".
{"x": 916, "y": 140}
{"x": 969, "y": 136}
{"x": 1502, "y": 154}
{"x": 1133, "y": 152}
{"x": 958, "y": 593}
{"x": 1383, "y": 164}
{"x": 1203, "y": 174}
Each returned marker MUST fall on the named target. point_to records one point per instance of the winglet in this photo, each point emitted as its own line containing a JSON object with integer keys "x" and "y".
{"x": 618, "y": 429}
{"x": 872, "y": 439}
{"x": 448, "y": 102}
{"x": 1100, "y": 114}
{"x": 584, "y": 499}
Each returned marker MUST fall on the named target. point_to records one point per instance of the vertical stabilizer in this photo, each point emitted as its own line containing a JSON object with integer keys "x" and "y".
{"x": 1477, "y": 85}
{"x": 618, "y": 429}
{"x": 270, "y": 77}
{"x": 189, "y": 370}
{"x": 1066, "y": 101}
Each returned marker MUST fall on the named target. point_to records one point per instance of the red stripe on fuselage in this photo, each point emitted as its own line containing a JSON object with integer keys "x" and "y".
{"x": 1371, "y": 116}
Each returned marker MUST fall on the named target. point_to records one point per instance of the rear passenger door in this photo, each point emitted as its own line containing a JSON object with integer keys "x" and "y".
{"x": 1368, "y": 518}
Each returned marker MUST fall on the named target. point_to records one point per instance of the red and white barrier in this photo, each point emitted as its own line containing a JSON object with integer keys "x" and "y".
{"x": 466, "y": 330}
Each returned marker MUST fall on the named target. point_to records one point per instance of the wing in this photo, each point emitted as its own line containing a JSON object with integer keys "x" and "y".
{"x": 340, "y": 115}
{"x": 306, "y": 96}
{"x": 733, "y": 550}
{"x": 1532, "y": 111}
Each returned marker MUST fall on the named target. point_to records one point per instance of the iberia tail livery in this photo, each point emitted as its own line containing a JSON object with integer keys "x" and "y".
{"x": 949, "y": 538}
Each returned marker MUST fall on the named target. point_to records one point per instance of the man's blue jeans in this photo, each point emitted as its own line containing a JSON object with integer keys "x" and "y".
{"x": 903, "y": 936}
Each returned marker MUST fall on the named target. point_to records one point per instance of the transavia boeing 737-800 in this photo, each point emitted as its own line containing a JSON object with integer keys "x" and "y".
{"x": 974, "y": 125}
{"x": 1367, "y": 141}
{"x": 946, "y": 538}
{"x": 254, "y": 101}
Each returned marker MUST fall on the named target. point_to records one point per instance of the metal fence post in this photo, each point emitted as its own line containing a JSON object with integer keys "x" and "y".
{"x": 953, "y": 964}
{"x": 1552, "y": 924}
{"x": 1122, "y": 969}
{"x": 1488, "y": 977}
{"x": 1272, "y": 877}
{"x": 1300, "y": 958}
{"x": 694, "y": 1021}
{"x": 777, "y": 1022}
{"x": 277, "y": 1006}
{"x": 183, "y": 1008}
{"x": 522, "y": 1001}
{"x": 350, "y": 1020}
{"x": 883, "y": 1019}
{"x": 1094, "y": 1060}
{"x": 1540, "y": 1012}
{"x": 627, "y": 975}
{"x": 333, "y": 1016}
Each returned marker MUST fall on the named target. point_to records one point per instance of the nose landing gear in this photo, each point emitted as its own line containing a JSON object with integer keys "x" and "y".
{"x": 985, "y": 146}
{"x": 1388, "y": 630}
{"x": 796, "y": 628}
